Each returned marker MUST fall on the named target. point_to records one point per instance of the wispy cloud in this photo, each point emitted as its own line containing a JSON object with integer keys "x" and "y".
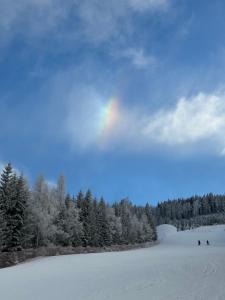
{"x": 139, "y": 59}
{"x": 104, "y": 19}
{"x": 191, "y": 123}
{"x": 142, "y": 5}
{"x": 36, "y": 16}
{"x": 191, "y": 120}
{"x": 98, "y": 20}
{"x": 86, "y": 121}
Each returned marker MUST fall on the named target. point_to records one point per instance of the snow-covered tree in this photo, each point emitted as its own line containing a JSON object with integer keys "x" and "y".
{"x": 103, "y": 224}
{"x": 19, "y": 213}
{"x": 43, "y": 214}
{"x": 69, "y": 228}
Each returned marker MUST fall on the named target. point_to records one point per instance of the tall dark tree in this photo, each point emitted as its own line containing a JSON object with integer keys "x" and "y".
{"x": 46, "y": 216}
{"x": 103, "y": 224}
{"x": 151, "y": 221}
{"x": 19, "y": 214}
{"x": 6, "y": 195}
{"x": 88, "y": 219}
{"x": 192, "y": 212}
{"x": 79, "y": 200}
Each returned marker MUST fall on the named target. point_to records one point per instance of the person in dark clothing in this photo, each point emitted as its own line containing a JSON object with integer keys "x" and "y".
{"x": 207, "y": 243}
{"x": 199, "y": 242}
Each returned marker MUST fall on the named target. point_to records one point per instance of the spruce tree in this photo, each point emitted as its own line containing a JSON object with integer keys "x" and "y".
{"x": 103, "y": 224}
{"x": 88, "y": 219}
{"x": 6, "y": 194}
{"x": 20, "y": 214}
{"x": 13, "y": 197}
{"x": 69, "y": 229}
{"x": 151, "y": 221}
{"x": 11, "y": 216}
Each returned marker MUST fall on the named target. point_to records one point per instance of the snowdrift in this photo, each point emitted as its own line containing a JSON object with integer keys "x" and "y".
{"x": 164, "y": 231}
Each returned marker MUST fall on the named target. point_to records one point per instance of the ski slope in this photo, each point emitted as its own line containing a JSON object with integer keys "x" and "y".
{"x": 176, "y": 269}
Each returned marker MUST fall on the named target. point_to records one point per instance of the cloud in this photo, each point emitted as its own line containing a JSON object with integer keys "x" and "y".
{"x": 196, "y": 123}
{"x": 97, "y": 20}
{"x": 82, "y": 119}
{"x": 139, "y": 59}
{"x": 88, "y": 117}
{"x": 191, "y": 120}
{"x": 142, "y": 5}
{"x": 36, "y": 16}
{"x": 104, "y": 19}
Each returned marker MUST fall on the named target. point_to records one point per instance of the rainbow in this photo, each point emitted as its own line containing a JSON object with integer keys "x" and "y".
{"x": 109, "y": 117}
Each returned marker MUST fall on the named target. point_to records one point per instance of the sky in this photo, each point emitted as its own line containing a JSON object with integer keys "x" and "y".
{"x": 125, "y": 97}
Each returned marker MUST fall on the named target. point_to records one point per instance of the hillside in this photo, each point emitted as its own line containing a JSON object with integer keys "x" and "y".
{"x": 175, "y": 269}
{"x": 192, "y": 212}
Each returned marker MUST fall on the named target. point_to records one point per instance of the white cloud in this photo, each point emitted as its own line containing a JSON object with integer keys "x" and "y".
{"x": 142, "y": 5}
{"x": 82, "y": 120}
{"x": 31, "y": 15}
{"x": 99, "y": 20}
{"x": 196, "y": 123}
{"x": 89, "y": 124}
{"x": 191, "y": 120}
{"x": 105, "y": 19}
{"x": 139, "y": 59}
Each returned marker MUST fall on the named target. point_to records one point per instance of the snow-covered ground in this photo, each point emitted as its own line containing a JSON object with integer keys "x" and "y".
{"x": 175, "y": 269}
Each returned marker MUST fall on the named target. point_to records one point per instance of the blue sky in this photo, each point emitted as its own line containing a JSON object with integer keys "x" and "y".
{"x": 125, "y": 97}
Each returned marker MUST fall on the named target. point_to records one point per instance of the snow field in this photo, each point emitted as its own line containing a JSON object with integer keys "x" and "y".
{"x": 176, "y": 269}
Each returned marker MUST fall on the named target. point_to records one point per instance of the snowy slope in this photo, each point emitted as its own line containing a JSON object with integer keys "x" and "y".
{"x": 215, "y": 234}
{"x": 165, "y": 231}
{"x": 177, "y": 269}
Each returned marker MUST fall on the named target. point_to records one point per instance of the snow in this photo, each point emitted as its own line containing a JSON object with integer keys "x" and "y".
{"x": 176, "y": 269}
{"x": 165, "y": 231}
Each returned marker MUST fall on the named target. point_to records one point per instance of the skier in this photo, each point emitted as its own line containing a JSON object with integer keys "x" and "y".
{"x": 199, "y": 242}
{"x": 207, "y": 243}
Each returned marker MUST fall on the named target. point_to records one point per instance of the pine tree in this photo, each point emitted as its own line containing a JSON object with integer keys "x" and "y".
{"x": 43, "y": 212}
{"x": 79, "y": 200}
{"x": 88, "y": 219}
{"x": 60, "y": 191}
{"x": 151, "y": 221}
{"x": 115, "y": 226}
{"x": 11, "y": 214}
{"x": 18, "y": 213}
{"x": 103, "y": 224}
{"x": 125, "y": 221}
{"x": 69, "y": 228}
{"x": 6, "y": 194}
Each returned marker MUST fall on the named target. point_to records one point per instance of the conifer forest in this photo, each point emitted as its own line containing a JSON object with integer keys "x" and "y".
{"x": 46, "y": 215}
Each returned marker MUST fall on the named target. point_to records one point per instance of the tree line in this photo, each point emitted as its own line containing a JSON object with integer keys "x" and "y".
{"x": 192, "y": 212}
{"x": 44, "y": 215}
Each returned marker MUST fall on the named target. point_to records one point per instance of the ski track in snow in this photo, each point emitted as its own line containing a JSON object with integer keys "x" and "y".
{"x": 176, "y": 269}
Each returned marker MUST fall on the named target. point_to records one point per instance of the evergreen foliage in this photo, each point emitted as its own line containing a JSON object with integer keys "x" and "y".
{"x": 46, "y": 216}
{"x": 6, "y": 194}
{"x": 13, "y": 205}
{"x": 192, "y": 212}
